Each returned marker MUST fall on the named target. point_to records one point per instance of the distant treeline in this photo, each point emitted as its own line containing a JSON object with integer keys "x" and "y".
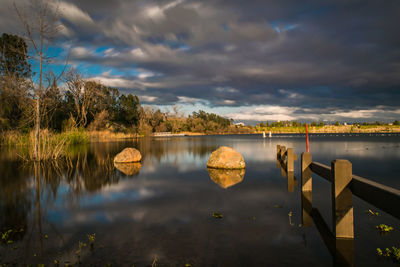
{"x": 70, "y": 101}
{"x": 320, "y": 124}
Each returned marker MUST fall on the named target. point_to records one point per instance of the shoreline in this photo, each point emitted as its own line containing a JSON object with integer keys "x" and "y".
{"x": 107, "y": 135}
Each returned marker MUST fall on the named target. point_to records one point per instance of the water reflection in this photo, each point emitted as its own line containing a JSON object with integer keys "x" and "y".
{"x": 292, "y": 181}
{"x": 226, "y": 178}
{"x": 128, "y": 169}
{"x": 164, "y": 209}
{"x": 341, "y": 249}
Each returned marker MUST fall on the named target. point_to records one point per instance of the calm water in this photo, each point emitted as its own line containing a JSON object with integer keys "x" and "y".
{"x": 161, "y": 210}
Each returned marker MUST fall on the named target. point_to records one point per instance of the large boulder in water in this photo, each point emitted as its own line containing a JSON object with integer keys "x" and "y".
{"x": 226, "y": 158}
{"x": 128, "y": 155}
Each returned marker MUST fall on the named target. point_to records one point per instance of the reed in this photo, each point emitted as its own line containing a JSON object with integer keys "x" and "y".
{"x": 104, "y": 136}
{"x": 52, "y": 145}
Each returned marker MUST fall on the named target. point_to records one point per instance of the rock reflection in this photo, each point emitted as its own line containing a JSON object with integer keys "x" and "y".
{"x": 226, "y": 178}
{"x": 128, "y": 169}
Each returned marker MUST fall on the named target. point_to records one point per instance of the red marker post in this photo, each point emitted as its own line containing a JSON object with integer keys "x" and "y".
{"x": 307, "y": 142}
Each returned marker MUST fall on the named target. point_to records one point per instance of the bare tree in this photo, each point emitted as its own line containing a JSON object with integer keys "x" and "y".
{"x": 84, "y": 94}
{"x": 40, "y": 21}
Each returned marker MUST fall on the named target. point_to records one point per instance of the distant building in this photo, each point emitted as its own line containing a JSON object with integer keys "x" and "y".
{"x": 239, "y": 124}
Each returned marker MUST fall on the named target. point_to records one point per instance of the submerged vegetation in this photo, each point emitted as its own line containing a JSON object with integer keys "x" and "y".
{"x": 383, "y": 228}
{"x": 393, "y": 253}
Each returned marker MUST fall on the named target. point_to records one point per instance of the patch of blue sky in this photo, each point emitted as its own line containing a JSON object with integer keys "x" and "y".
{"x": 57, "y": 69}
{"x": 55, "y": 52}
{"x": 101, "y": 49}
{"x": 91, "y": 69}
{"x": 126, "y": 72}
{"x": 275, "y": 26}
{"x": 173, "y": 44}
{"x": 281, "y": 27}
{"x": 289, "y": 27}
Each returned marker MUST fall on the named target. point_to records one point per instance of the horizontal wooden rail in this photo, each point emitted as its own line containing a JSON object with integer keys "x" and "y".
{"x": 322, "y": 170}
{"x": 381, "y": 196}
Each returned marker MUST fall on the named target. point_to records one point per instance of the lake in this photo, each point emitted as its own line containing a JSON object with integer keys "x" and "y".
{"x": 160, "y": 212}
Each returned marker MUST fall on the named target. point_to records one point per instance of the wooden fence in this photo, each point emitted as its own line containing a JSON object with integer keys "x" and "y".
{"x": 345, "y": 184}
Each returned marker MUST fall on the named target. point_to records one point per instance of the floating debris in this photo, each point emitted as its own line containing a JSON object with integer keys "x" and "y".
{"x": 290, "y": 218}
{"x": 372, "y": 212}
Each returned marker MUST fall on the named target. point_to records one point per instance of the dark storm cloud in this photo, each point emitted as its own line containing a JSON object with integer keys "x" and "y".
{"x": 337, "y": 56}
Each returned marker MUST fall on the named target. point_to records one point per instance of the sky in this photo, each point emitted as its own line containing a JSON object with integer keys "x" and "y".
{"x": 253, "y": 60}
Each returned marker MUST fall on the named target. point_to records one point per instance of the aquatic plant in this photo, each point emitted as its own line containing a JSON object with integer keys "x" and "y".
{"x": 217, "y": 215}
{"x": 154, "y": 264}
{"x": 75, "y": 137}
{"x": 383, "y": 228}
{"x": 393, "y": 253}
{"x": 6, "y": 235}
{"x": 78, "y": 252}
{"x": 92, "y": 238}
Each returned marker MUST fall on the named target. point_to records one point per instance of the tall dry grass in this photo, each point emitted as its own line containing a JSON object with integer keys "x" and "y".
{"x": 106, "y": 135}
{"x": 52, "y": 145}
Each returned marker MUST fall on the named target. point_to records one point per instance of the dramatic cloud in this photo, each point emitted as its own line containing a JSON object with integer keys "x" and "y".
{"x": 258, "y": 60}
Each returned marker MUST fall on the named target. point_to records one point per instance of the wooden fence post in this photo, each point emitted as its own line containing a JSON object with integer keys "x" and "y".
{"x": 278, "y": 151}
{"x": 283, "y": 151}
{"x": 342, "y": 204}
{"x": 306, "y": 189}
{"x": 290, "y": 182}
{"x": 306, "y": 179}
{"x": 290, "y": 160}
{"x": 283, "y": 171}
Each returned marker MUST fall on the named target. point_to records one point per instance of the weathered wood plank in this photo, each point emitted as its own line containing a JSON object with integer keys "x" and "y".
{"x": 322, "y": 170}
{"x": 381, "y": 196}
